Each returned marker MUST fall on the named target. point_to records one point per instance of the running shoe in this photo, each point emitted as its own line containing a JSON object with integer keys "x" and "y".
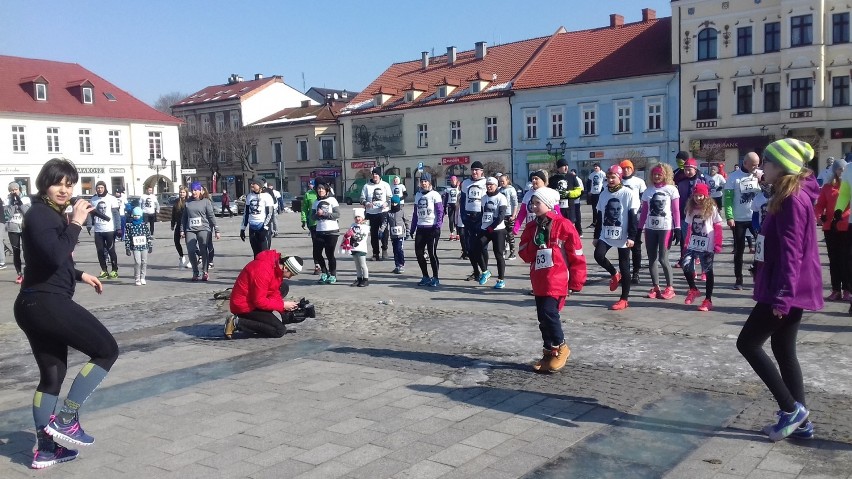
{"x": 323, "y": 278}
{"x": 805, "y": 431}
{"x": 205, "y": 277}
{"x": 195, "y": 277}
{"x": 691, "y": 295}
{"x": 500, "y": 284}
{"x": 434, "y": 282}
{"x": 19, "y": 279}
{"x": 513, "y": 256}
{"x": 138, "y": 282}
{"x": 142, "y": 280}
{"x": 704, "y": 277}
{"x": 787, "y": 423}
{"x": 395, "y": 270}
{"x": 614, "y": 281}
{"x": 668, "y": 293}
{"x": 113, "y": 274}
{"x": 706, "y": 305}
{"x": 655, "y": 293}
{"x": 483, "y": 278}
{"x": 472, "y": 277}
{"x": 71, "y": 432}
{"x": 424, "y": 281}
{"x": 103, "y": 275}
{"x": 738, "y": 287}
{"x": 209, "y": 265}
{"x": 59, "y": 454}
{"x": 847, "y": 296}
{"x": 401, "y": 270}
{"x": 3, "y": 266}
{"x": 619, "y": 305}
{"x": 834, "y": 296}
{"x": 317, "y": 269}
{"x": 230, "y": 325}
{"x": 331, "y": 279}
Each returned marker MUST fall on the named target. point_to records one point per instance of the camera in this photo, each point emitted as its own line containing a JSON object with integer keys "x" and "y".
{"x": 304, "y": 311}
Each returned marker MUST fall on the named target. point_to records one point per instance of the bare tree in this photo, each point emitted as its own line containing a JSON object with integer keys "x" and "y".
{"x": 491, "y": 168}
{"x": 637, "y": 157}
{"x": 240, "y": 144}
{"x": 164, "y": 102}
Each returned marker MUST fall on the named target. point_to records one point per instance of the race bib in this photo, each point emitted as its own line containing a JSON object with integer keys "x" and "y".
{"x": 698, "y": 243}
{"x": 17, "y": 218}
{"x": 612, "y": 232}
{"x": 396, "y": 230}
{"x": 564, "y": 203}
{"x": 759, "y": 248}
{"x": 195, "y": 222}
{"x": 474, "y": 193}
{"x": 659, "y": 223}
{"x": 749, "y": 185}
{"x": 487, "y": 218}
{"x": 101, "y": 220}
{"x": 544, "y": 258}
{"x": 140, "y": 241}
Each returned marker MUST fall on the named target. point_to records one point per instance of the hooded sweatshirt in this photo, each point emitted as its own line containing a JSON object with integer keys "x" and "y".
{"x": 788, "y": 273}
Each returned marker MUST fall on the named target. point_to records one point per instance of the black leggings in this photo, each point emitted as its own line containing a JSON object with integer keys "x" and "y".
{"x": 260, "y": 240}
{"x": 451, "y": 214}
{"x": 740, "y": 230}
{"x": 378, "y": 222}
{"x": 263, "y": 323}
{"x": 784, "y": 382}
{"x": 178, "y": 243}
{"x": 15, "y": 242}
{"x": 623, "y": 265}
{"x": 835, "y": 244}
{"x": 325, "y": 243}
{"x": 497, "y": 238}
{"x": 427, "y": 240}
{"x": 105, "y": 245}
{"x": 52, "y": 324}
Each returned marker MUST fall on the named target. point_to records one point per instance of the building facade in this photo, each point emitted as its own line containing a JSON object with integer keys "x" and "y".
{"x": 755, "y": 71}
{"x": 54, "y": 109}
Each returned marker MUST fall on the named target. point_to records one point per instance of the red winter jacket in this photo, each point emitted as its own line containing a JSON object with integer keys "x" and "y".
{"x": 257, "y": 286}
{"x": 569, "y": 264}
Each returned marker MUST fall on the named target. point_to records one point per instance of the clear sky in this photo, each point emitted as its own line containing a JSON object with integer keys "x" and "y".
{"x": 153, "y": 47}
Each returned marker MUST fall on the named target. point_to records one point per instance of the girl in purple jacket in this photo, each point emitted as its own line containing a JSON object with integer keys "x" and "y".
{"x": 788, "y": 279}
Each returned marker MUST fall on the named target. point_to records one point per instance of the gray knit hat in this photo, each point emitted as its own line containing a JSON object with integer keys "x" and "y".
{"x": 14, "y": 186}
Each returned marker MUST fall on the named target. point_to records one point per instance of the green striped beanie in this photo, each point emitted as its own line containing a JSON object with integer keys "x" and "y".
{"x": 789, "y": 153}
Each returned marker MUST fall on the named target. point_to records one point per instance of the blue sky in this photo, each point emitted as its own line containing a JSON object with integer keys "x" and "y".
{"x": 154, "y": 47}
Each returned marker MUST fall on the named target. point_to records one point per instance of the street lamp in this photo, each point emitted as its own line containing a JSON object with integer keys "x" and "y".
{"x": 152, "y": 163}
{"x": 558, "y": 152}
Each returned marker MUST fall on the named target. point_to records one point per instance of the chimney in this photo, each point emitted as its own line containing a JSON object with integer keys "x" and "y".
{"x": 481, "y": 50}
{"x": 306, "y": 103}
{"x": 616, "y": 20}
{"x": 258, "y": 76}
{"x": 451, "y": 55}
{"x": 232, "y": 79}
{"x": 648, "y": 14}
{"x": 424, "y": 60}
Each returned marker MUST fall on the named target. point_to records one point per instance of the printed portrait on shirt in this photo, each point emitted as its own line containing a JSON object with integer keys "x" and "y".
{"x": 324, "y": 207}
{"x": 657, "y": 205}
{"x": 378, "y": 195}
{"x": 612, "y": 212}
{"x": 698, "y": 225}
{"x": 423, "y": 206}
{"x": 254, "y": 206}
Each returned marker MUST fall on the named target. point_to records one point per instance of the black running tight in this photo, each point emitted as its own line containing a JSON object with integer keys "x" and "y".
{"x": 623, "y": 265}
{"x": 325, "y": 243}
{"x": 426, "y": 240}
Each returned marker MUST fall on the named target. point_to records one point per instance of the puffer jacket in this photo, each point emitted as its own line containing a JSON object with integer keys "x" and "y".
{"x": 257, "y": 286}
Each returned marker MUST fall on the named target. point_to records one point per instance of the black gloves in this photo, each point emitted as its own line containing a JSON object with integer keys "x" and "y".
{"x": 150, "y": 250}
{"x": 838, "y": 215}
{"x": 304, "y": 225}
{"x": 127, "y": 251}
{"x": 678, "y": 236}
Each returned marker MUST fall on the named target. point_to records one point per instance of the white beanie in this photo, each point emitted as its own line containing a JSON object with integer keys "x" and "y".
{"x": 548, "y": 196}
{"x": 356, "y": 212}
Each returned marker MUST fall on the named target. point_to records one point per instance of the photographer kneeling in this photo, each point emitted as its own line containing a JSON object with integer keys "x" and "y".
{"x": 259, "y": 292}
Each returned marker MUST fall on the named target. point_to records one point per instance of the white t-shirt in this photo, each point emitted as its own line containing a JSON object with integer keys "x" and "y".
{"x": 745, "y": 187}
{"x": 425, "y": 205}
{"x": 474, "y": 192}
{"x": 491, "y": 208}
{"x": 636, "y": 184}
{"x": 399, "y": 190}
{"x": 659, "y": 201}
{"x": 701, "y": 233}
{"x": 597, "y": 180}
{"x": 759, "y": 206}
{"x": 376, "y": 197}
{"x": 105, "y": 205}
{"x": 256, "y": 209}
{"x": 360, "y": 238}
{"x": 149, "y": 204}
{"x": 616, "y": 208}
{"x": 453, "y": 195}
{"x": 716, "y": 183}
{"x": 327, "y": 204}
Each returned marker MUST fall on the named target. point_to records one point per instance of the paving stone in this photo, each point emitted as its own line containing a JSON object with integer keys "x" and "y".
{"x": 456, "y": 455}
{"x": 424, "y": 470}
{"x": 322, "y": 453}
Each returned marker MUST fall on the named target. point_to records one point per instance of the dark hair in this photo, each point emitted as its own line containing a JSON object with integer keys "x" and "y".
{"x": 53, "y": 172}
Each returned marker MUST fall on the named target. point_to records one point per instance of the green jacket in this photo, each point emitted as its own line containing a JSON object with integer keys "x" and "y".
{"x": 307, "y": 203}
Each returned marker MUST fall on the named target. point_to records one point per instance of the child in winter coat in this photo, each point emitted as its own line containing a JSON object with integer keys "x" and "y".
{"x": 398, "y": 226}
{"x": 552, "y": 247}
{"x": 355, "y": 241}
{"x": 139, "y": 243}
{"x": 703, "y": 240}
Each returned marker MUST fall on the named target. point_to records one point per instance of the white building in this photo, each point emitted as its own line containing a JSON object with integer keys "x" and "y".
{"x": 52, "y": 109}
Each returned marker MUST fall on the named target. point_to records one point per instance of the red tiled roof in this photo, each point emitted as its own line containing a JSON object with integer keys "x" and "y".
{"x": 17, "y": 75}
{"x": 218, "y": 93}
{"x": 312, "y": 113}
{"x": 634, "y": 49}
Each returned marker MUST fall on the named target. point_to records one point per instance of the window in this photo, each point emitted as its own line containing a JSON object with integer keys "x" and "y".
{"x": 623, "y": 112}
{"x": 531, "y": 124}
{"x": 41, "y": 91}
{"x": 840, "y": 91}
{"x": 190, "y": 124}
{"x": 422, "y": 135}
{"x": 52, "y": 139}
{"x": 155, "y": 144}
{"x": 327, "y": 148}
{"x": 772, "y": 97}
{"x": 744, "y": 95}
{"x": 253, "y": 155}
{"x": 801, "y": 93}
{"x": 235, "y": 120}
{"x": 475, "y": 87}
{"x": 220, "y": 122}
{"x": 222, "y": 157}
{"x": 490, "y": 129}
{"x": 772, "y": 37}
{"x": 743, "y": 41}
{"x": 707, "y": 44}
{"x": 801, "y": 30}
{"x": 114, "y": 142}
{"x": 840, "y": 28}
{"x": 589, "y": 115}
{"x": 302, "y": 145}
{"x": 19, "y": 139}
{"x": 442, "y": 92}
{"x": 205, "y": 124}
{"x": 85, "y": 140}
{"x": 88, "y": 95}
{"x": 557, "y": 124}
{"x": 277, "y": 152}
{"x": 455, "y": 132}
{"x": 654, "y": 109}
{"x": 707, "y": 104}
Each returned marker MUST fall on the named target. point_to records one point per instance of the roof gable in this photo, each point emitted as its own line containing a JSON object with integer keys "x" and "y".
{"x": 310, "y": 113}
{"x": 239, "y": 90}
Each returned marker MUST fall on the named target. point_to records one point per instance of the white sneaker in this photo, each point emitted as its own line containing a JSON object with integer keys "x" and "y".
{"x": 138, "y": 282}
{"x": 186, "y": 262}
{"x": 3, "y": 266}
{"x": 181, "y": 262}
{"x": 142, "y": 280}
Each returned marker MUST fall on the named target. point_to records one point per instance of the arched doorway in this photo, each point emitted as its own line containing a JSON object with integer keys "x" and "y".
{"x": 160, "y": 183}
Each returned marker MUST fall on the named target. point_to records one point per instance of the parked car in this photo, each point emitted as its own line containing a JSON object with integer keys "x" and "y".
{"x": 240, "y": 203}
{"x": 216, "y": 198}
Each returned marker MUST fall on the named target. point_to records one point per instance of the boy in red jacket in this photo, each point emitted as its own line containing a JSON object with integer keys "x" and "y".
{"x": 553, "y": 248}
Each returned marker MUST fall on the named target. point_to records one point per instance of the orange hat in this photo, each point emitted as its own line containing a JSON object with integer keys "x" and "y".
{"x": 626, "y": 164}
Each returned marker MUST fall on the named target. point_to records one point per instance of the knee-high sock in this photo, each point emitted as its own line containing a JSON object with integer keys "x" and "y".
{"x": 84, "y": 385}
{"x": 43, "y": 407}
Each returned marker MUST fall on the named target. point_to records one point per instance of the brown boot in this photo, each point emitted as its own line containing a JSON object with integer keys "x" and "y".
{"x": 560, "y": 357}
{"x": 543, "y": 364}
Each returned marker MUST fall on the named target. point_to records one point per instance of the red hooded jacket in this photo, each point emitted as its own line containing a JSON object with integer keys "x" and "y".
{"x": 564, "y": 268}
{"x": 257, "y": 286}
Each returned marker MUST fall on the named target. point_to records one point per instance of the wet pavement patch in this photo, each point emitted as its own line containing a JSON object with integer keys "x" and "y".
{"x": 648, "y": 444}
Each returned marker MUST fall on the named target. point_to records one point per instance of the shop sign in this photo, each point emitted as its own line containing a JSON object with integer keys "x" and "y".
{"x": 455, "y": 160}
{"x": 90, "y": 171}
{"x": 357, "y": 165}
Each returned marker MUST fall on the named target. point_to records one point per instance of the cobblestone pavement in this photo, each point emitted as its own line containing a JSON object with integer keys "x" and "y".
{"x": 658, "y": 389}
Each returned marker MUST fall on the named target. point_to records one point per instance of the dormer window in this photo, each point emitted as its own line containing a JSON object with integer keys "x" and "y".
{"x": 475, "y": 87}
{"x": 88, "y": 95}
{"x": 413, "y": 91}
{"x": 41, "y": 91}
{"x": 442, "y": 92}
{"x": 382, "y": 95}
{"x": 478, "y": 83}
{"x": 445, "y": 87}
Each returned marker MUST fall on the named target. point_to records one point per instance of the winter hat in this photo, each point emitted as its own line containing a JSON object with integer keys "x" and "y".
{"x": 838, "y": 166}
{"x": 137, "y": 211}
{"x": 395, "y": 199}
{"x": 102, "y": 183}
{"x": 547, "y": 196}
{"x": 658, "y": 167}
{"x": 425, "y": 177}
{"x": 681, "y": 157}
{"x": 562, "y": 162}
{"x": 701, "y": 189}
{"x": 119, "y": 190}
{"x": 626, "y": 164}
{"x": 14, "y": 186}
{"x": 691, "y": 162}
{"x": 539, "y": 173}
{"x": 615, "y": 169}
{"x": 377, "y": 171}
{"x": 196, "y": 186}
{"x": 293, "y": 264}
{"x": 257, "y": 181}
{"x": 491, "y": 181}
{"x": 789, "y": 153}
{"x": 356, "y": 212}
{"x": 477, "y": 165}
{"x": 454, "y": 178}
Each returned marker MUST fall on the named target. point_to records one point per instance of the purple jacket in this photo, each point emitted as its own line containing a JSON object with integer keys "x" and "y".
{"x": 685, "y": 186}
{"x": 791, "y": 276}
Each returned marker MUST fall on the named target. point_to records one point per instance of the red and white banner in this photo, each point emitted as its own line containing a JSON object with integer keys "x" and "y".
{"x": 363, "y": 164}
{"x": 455, "y": 160}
